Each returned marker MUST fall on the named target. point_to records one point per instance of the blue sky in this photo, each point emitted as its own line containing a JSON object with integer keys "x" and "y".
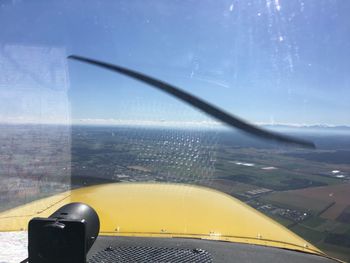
{"x": 268, "y": 61}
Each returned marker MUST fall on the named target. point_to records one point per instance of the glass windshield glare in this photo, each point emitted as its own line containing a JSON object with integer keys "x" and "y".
{"x": 281, "y": 65}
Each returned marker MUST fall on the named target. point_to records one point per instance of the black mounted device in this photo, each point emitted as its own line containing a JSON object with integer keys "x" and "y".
{"x": 66, "y": 236}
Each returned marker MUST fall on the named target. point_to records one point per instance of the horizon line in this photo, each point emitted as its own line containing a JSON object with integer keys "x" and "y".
{"x": 163, "y": 123}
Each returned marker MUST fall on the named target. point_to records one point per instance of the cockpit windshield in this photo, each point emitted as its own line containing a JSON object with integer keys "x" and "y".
{"x": 280, "y": 65}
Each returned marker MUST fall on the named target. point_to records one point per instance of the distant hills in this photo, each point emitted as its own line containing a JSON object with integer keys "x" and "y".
{"x": 314, "y": 126}
{"x": 305, "y": 126}
{"x": 319, "y": 128}
{"x": 192, "y": 124}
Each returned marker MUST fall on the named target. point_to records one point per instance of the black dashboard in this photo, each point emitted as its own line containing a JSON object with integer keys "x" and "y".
{"x": 145, "y": 249}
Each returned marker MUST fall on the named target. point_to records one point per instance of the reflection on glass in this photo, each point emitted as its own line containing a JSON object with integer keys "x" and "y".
{"x": 280, "y": 64}
{"x": 34, "y": 129}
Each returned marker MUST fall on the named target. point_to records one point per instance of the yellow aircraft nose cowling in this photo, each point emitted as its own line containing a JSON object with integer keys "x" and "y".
{"x": 165, "y": 210}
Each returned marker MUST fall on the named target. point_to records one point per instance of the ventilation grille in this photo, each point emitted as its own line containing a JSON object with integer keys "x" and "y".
{"x": 150, "y": 255}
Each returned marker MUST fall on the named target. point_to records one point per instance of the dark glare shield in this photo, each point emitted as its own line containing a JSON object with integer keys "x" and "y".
{"x": 66, "y": 236}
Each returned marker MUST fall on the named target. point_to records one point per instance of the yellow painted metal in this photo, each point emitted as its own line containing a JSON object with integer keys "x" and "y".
{"x": 165, "y": 210}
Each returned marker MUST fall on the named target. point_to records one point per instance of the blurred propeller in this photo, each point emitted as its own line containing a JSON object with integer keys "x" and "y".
{"x": 198, "y": 103}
